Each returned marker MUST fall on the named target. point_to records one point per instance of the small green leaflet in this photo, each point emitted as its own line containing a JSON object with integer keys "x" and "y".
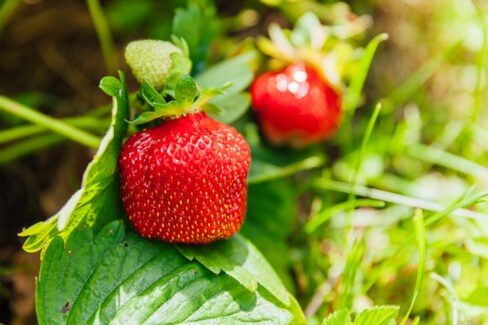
{"x": 186, "y": 90}
{"x": 150, "y": 95}
{"x": 111, "y": 86}
{"x": 379, "y": 315}
{"x": 115, "y": 277}
{"x": 181, "y": 63}
{"x": 340, "y": 317}
{"x": 98, "y": 200}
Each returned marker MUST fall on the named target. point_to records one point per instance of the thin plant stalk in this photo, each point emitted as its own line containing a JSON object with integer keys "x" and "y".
{"x": 48, "y": 122}
{"x": 24, "y": 131}
{"x": 104, "y": 35}
{"x": 6, "y": 11}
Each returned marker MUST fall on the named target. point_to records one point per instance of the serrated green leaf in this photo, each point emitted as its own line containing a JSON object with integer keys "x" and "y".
{"x": 340, "y": 317}
{"x": 118, "y": 278}
{"x": 150, "y": 95}
{"x": 98, "y": 200}
{"x": 380, "y": 315}
{"x": 186, "y": 90}
{"x": 110, "y": 85}
{"x": 237, "y": 257}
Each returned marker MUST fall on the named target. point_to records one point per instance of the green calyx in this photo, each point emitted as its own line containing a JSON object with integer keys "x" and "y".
{"x": 181, "y": 96}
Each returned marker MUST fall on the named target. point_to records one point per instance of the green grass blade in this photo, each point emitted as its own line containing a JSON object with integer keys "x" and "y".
{"x": 323, "y": 216}
{"x": 452, "y": 296}
{"x": 328, "y": 184}
{"x": 418, "y": 221}
{"x": 104, "y": 35}
{"x": 351, "y": 98}
{"x": 349, "y": 277}
{"x": 403, "y": 92}
{"x": 445, "y": 159}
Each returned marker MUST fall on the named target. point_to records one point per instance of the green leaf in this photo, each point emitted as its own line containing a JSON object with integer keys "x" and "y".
{"x": 380, "y": 315}
{"x": 110, "y": 85}
{"x": 98, "y": 200}
{"x": 145, "y": 117}
{"x": 182, "y": 44}
{"x": 119, "y": 278}
{"x": 186, "y": 90}
{"x": 231, "y": 107}
{"x": 271, "y": 208}
{"x": 202, "y": 103}
{"x": 181, "y": 63}
{"x": 210, "y": 108}
{"x": 239, "y": 74}
{"x": 150, "y": 95}
{"x": 237, "y": 71}
{"x": 340, "y": 317}
{"x": 237, "y": 257}
{"x": 198, "y": 25}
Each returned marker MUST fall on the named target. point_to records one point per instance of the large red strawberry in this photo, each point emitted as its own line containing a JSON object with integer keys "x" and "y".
{"x": 296, "y": 105}
{"x": 185, "y": 180}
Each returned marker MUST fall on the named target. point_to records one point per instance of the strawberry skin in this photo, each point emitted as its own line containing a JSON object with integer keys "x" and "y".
{"x": 185, "y": 181}
{"x": 296, "y": 105}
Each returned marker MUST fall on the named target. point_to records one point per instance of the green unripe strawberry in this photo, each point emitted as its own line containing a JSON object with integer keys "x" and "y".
{"x": 151, "y": 60}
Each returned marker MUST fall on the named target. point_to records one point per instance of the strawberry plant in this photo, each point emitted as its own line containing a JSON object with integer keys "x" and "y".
{"x": 265, "y": 161}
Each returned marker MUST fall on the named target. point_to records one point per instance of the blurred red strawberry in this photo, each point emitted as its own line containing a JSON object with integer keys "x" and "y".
{"x": 296, "y": 105}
